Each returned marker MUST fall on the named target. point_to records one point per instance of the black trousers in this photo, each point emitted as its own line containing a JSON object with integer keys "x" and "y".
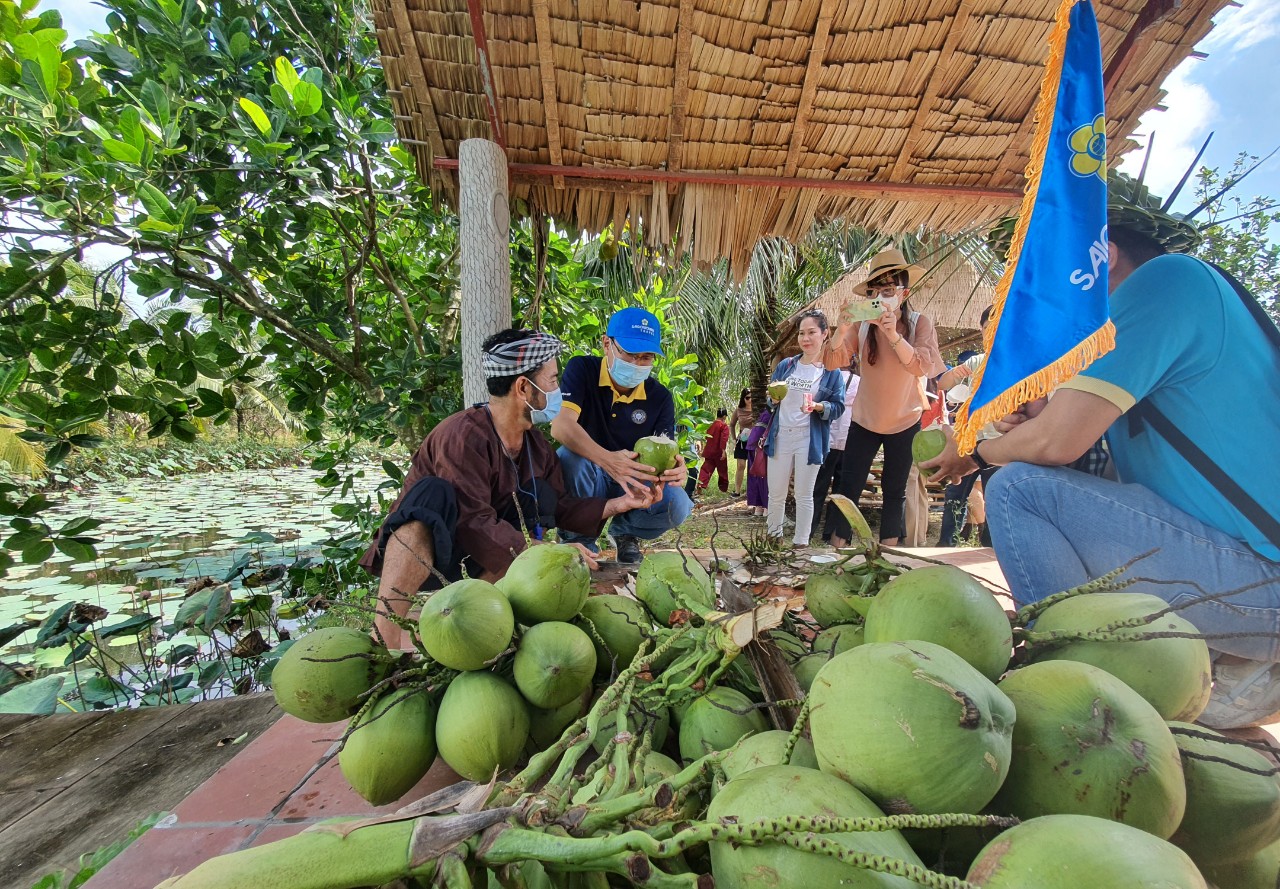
{"x": 860, "y": 451}
{"x": 827, "y": 473}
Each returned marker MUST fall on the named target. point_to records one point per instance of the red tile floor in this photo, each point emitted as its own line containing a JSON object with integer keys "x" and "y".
{"x": 284, "y": 781}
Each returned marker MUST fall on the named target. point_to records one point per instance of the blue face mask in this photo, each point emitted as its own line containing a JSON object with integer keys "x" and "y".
{"x": 548, "y": 413}
{"x": 628, "y": 375}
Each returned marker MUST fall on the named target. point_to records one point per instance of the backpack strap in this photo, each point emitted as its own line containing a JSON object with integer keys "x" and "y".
{"x": 1145, "y": 412}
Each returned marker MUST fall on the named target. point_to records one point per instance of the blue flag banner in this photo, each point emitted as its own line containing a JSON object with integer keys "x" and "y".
{"x": 1050, "y": 317}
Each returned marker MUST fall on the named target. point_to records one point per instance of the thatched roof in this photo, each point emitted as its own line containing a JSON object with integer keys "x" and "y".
{"x": 726, "y": 120}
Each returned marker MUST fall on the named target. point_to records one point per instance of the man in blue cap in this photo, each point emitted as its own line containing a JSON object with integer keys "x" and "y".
{"x": 611, "y": 402}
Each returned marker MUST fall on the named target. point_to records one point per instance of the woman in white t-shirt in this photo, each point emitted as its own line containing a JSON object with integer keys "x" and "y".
{"x": 799, "y": 435}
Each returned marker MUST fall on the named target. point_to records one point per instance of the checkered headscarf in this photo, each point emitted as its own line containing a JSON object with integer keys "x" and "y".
{"x": 519, "y": 356}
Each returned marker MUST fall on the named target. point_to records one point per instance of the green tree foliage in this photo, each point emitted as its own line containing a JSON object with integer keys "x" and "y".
{"x": 1239, "y": 234}
{"x": 241, "y": 154}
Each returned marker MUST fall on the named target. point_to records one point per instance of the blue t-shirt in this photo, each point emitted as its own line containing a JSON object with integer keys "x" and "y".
{"x": 613, "y": 420}
{"x": 1185, "y": 340}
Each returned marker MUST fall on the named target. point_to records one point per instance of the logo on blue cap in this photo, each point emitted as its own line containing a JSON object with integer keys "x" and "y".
{"x": 636, "y": 331}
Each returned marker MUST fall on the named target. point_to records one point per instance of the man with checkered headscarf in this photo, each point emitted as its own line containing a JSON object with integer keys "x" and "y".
{"x": 483, "y": 481}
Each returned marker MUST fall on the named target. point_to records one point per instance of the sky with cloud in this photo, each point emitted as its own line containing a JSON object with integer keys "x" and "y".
{"x": 1234, "y": 93}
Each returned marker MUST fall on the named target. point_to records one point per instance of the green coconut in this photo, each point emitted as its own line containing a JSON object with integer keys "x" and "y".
{"x": 806, "y": 669}
{"x": 668, "y": 581}
{"x": 658, "y": 767}
{"x": 323, "y": 675}
{"x": 1087, "y": 744}
{"x": 622, "y": 625}
{"x": 1233, "y": 799}
{"x": 833, "y": 599}
{"x": 778, "y": 389}
{"x": 482, "y": 725}
{"x": 781, "y": 790}
{"x": 554, "y": 664}
{"x": 839, "y": 639}
{"x": 658, "y": 452}
{"x": 913, "y": 726}
{"x": 768, "y": 749}
{"x": 466, "y": 624}
{"x": 390, "y": 748}
{"x": 546, "y": 726}
{"x": 550, "y": 581}
{"x": 1259, "y": 871}
{"x": 927, "y": 444}
{"x": 947, "y": 606}
{"x": 1174, "y": 675}
{"x": 717, "y": 721}
{"x": 1081, "y": 852}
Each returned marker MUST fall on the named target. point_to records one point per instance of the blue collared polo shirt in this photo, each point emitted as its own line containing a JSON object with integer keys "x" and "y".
{"x": 613, "y": 420}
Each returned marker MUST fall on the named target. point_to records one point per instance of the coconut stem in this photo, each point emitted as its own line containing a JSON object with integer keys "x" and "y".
{"x": 919, "y": 875}
{"x": 797, "y": 731}
{"x": 1107, "y": 583}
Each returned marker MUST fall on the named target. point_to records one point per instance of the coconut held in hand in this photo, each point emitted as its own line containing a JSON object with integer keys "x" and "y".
{"x": 657, "y": 452}
{"x": 778, "y": 390}
{"x": 927, "y": 444}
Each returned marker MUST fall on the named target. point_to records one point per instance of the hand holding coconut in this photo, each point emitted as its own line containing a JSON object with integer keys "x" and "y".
{"x": 627, "y": 471}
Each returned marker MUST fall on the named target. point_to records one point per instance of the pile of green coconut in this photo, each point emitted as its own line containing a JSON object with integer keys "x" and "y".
{"x": 607, "y": 740}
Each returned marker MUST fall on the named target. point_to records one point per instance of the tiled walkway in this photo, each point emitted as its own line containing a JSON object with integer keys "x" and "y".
{"x": 281, "y": 783}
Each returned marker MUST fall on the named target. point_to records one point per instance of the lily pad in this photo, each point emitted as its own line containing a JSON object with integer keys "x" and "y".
{"x": 39, "y": 696}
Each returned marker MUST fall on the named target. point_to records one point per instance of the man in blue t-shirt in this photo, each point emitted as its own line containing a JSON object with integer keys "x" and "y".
{"x": 611, "y": 403}
{"x": 1186, "y": 345}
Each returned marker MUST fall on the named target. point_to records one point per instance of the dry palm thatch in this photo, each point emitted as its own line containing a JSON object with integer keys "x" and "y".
{"x": 715, "y": 119}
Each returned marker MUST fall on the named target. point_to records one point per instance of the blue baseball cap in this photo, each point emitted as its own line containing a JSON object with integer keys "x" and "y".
{"x": 636, "y": 331}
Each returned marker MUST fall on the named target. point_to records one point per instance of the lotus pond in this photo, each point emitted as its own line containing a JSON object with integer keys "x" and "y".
{"x": 196, "y": 586}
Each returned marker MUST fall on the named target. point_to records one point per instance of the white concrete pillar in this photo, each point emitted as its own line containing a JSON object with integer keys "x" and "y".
{"x": 484, "y": 255}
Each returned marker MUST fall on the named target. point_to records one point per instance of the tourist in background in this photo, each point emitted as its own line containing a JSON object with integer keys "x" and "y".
{"x": 739, "y": 430}
{"x": 800, "y": 435}
{"x": 758, "y": 466}
{"x": 895, "y": 354}
{"x": 831, "y": 466}
{"x": 715, "y": 453}
{"x": 955, "y": 504}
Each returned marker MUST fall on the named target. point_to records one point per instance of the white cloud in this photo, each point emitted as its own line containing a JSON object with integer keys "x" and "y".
{"x": 1179, "y": 131}
{"x": 1238, "y": 28}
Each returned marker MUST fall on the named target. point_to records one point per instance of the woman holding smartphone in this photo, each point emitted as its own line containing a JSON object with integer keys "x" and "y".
{"x": 897, "y": 352}
{"x": 799, "y": 436}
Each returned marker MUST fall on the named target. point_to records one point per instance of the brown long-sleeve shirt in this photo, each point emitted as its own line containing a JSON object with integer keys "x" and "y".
{"x": 464, "y": 450}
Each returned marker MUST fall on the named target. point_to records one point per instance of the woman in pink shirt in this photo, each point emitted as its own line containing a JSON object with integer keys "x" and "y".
{"x": 897, "y": 352}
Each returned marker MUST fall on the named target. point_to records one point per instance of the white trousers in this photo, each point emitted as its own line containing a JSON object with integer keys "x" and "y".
{"x": 791, "y": 456}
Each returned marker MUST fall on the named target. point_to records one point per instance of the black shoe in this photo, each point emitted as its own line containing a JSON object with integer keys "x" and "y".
{"x": 629, "y": 550}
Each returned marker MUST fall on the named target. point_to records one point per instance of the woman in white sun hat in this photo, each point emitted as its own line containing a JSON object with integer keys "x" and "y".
{"x": 896, "y": 353}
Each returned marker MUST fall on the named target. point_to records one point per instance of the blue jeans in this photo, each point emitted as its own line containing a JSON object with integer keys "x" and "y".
{"x": 1056, "y": 528}
{"x": 582, "y": 478}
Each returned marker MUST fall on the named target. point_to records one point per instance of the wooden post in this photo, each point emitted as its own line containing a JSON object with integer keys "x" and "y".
{"x": 484, "y": 224}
